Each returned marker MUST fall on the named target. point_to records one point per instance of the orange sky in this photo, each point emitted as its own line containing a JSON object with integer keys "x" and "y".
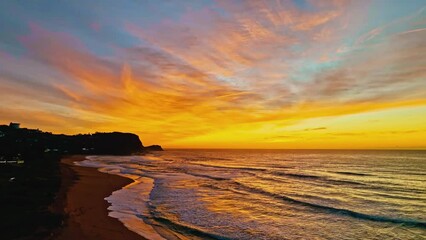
{"x": 272, "y": 74}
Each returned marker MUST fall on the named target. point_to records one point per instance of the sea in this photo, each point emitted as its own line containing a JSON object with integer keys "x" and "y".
{"x": 270, "y": 194}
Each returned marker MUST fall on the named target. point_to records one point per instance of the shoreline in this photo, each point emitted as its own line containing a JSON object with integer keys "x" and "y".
{"x": 81, "y": 199}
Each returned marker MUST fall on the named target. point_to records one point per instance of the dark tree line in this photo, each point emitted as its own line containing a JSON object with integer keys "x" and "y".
{"x": 31, "y": 143}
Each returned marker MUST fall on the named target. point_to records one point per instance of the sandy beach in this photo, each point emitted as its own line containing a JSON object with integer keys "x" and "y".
{"x": 81, "y": 199}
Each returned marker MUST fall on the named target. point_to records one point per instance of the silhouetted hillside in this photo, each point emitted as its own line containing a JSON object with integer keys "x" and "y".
{"x": 16, "y": 143}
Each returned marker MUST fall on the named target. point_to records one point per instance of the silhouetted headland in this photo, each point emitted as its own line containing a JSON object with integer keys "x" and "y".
{"x": 22, "y": 143}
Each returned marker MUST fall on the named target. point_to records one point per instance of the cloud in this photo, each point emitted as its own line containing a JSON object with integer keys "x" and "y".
{"x": 389, "y": 71}
{"x": 251, "y": 65}
{"x": 163, "y": 92}
{"x": 315, "y": 129}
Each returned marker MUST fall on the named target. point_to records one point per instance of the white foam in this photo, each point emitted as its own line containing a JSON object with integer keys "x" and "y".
{"x": 129, "y": 204}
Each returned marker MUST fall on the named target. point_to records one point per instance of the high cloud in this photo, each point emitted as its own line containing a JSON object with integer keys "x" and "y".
{"x": 221, "y": 69}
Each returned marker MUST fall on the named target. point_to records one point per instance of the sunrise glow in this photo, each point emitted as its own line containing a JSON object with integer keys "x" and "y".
{"x": 220, "y": 74}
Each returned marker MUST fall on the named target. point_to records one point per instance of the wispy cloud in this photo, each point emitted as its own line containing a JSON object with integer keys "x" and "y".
{"x": 223, "y": 67}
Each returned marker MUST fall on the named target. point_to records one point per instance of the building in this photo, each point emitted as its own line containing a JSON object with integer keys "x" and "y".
{"x": 14, "y": 125}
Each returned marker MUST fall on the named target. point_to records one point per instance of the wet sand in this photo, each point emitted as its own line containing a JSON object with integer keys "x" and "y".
{"x": 81, "y": 199}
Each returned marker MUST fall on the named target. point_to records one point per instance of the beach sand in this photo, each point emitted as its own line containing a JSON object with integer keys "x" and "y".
{"x": 81, "y": 199}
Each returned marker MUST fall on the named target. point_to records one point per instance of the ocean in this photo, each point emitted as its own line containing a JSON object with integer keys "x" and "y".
{"x": 270, "y": 194}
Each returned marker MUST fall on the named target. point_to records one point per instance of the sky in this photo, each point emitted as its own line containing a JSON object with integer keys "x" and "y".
{"x": 219, "y": 74}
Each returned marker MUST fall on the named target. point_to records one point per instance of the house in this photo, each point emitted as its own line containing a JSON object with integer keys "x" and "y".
{"x": 14, "y": 125}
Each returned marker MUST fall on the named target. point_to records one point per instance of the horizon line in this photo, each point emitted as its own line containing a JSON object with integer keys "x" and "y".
{"x": 301, "y": 149}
